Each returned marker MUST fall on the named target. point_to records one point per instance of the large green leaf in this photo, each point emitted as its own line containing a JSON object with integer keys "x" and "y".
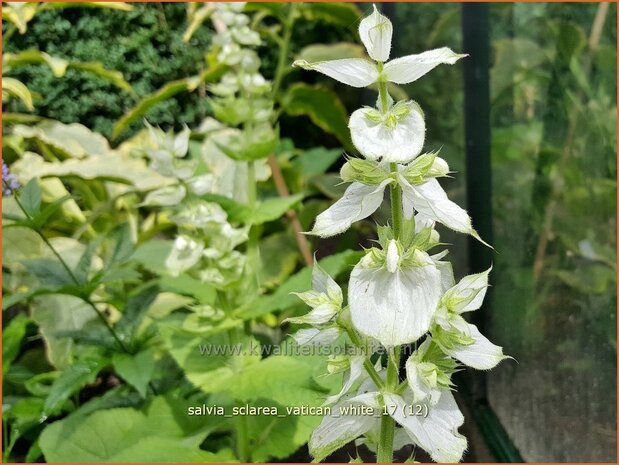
{"x": 169, "y": 90}
{"x": 55, "y": 314}
{"x": 322, "y": 106}
{"x": 136, "y": 369}
{"x": 159, "y": 434}
{"x": 73, "y": 140}
{"x": 114, "y": 167}
{"x": 324, "y": 52}
{"x": 342, "y": 14}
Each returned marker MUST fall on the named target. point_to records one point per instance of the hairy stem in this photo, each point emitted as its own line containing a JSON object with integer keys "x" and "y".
{"x": 396, "y": 204}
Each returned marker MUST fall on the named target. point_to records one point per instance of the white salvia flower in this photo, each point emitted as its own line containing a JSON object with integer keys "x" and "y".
{"x": 430, "y": 199}
{"x": 454, "y": 335}
{"x": 481, "y": 354}
{"x": 200, "y": 215}
{"x": 356, "y": 372}
{"x": 338, "y": 429}
{"x": 394, "y": 307}
{"x": 396, "y": 135}
{"x": 185, "y": 253}
{"x": 200, "y": 185}
{"x": 436, "y": 433}
{"x": 358, "y": 202}
{"x": 316, "y": 337}
{"x": 375, "y": 32}
{"x": 422, "y": 376}
{"x": 325, "y": 299}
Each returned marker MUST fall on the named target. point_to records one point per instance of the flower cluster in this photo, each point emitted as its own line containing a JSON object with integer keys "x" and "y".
{"x": 206, "y": 245}
{"x": 400, "y": 292}
{"x": 206, "y": 242}
{"x": 9, "y": 181}
{"x": 241, "y": 99}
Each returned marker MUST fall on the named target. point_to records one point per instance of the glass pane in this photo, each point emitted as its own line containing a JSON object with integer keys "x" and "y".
{"x": 554, "y": 169}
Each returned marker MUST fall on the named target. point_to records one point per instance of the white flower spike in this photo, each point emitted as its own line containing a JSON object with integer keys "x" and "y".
{"x": 375, "y": 32}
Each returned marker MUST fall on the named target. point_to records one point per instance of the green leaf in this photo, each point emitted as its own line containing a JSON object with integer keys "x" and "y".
{"x": 97, "y": 69}
{"x": 111, "y": 5}
{"x": 57, "y": 65}
{"x": 341, "y": 14}
{"x": 17, "y": 88}
{"x": 282, "y": 253}
{"x": 299, "y": 282}
{"x": 73, "y": 140}
{"x": 164, "y": 93}
{"x": 274, "y": 208}
{"x": 19, "y": 14}
{"x": 72, "y": 380}
{"x": 325, "y": 52}
{"x": 137, "y": 369}
{"x": 136, "y": 308}
{"x": 316, "y": 161}
{"x": 322, "y": 106}
{"x": 237, "y": 212}
{"x": 12, "y": 336}
{"x": 56, "y": 313}
{"x": 160, "y": 434}
{"x": 30, "y": 198}
{"x": 152, "y": 254}
{"x": 49, "y": 272}
{"x": 82, "y": 269}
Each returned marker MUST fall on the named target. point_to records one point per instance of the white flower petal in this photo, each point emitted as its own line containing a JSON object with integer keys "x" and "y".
{"x": 355, "y": 72}
{"x": 431, "y": 200}
{"x": 316, "y": 337}
{"x": 412, "y": 67}
{"x": 318, "y": 316}
{"x": 421, "y": 391}
{"x": 358, "y": 202}
{"x": 469, "y": 292}
{"x": 185, "y": 253}
{"x": 354, "y": 374}
{"x": 376, "y": 140}
{"x": 481, "y": 355}
{"x": 338, "y": 429}
{"x": 393, "y": 256}
{"x": 437, "y": 433}
{"x": 323, "y": 283}
{"x": 375, "y": 32}
{"x": 394, "y": 308}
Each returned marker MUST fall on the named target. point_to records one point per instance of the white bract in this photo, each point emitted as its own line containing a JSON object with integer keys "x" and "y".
{"x": 437, "y": 433}
{"x": 393, "y": 301}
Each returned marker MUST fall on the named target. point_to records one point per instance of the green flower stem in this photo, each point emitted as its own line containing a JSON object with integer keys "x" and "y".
{"x": 396, "y": 204}
{"x": 284, "y": 49}
{"x": 385, "y": 443}
{"x": 253, "y": 252}
{"x": 367, "y": 363}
